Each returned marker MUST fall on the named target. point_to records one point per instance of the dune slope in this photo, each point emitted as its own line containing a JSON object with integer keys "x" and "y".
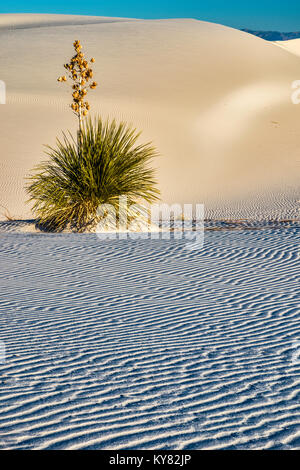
{"x": 215, "y": 101}
{"x": 292, "y": 46}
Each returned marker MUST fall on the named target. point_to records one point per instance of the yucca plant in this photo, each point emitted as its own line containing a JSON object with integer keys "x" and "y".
{"x": 103, "y": 163}
{"x": 68, "y": 189}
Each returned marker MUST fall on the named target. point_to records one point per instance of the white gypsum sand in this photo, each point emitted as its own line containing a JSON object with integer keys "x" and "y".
{"x": 147, "y": 345}
{"x": 292, "y": 45}
{"x": 215, "y": 101}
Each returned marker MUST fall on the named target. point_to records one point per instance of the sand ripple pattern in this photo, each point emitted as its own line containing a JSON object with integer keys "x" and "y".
{"x": 142, "y": 344}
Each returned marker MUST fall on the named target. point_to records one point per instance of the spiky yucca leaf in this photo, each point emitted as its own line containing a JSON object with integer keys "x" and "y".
{"x": 68, "y": 189}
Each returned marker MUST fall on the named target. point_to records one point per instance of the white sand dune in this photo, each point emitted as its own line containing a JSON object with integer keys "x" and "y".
{"x": 144, "y": 344}
{"x": 147, "y": 345}
{"x": 215, "y": 101}
{"x": 292, "y": 46}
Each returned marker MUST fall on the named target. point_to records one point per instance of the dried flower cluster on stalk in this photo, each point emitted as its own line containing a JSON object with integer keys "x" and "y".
{"x": 81, "y": 73}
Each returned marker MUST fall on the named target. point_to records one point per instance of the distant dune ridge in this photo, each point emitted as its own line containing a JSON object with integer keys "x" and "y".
{"x": 215, "y": 101}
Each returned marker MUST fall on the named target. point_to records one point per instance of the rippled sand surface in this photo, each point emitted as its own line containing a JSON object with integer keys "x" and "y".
{"x": 143, "y": 344}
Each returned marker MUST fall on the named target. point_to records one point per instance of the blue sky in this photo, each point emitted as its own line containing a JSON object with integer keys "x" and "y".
{"x": 283, "y": 15}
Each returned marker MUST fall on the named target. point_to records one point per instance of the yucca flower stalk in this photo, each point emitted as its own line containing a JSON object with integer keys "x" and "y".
{"x": 80, "y": 73}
